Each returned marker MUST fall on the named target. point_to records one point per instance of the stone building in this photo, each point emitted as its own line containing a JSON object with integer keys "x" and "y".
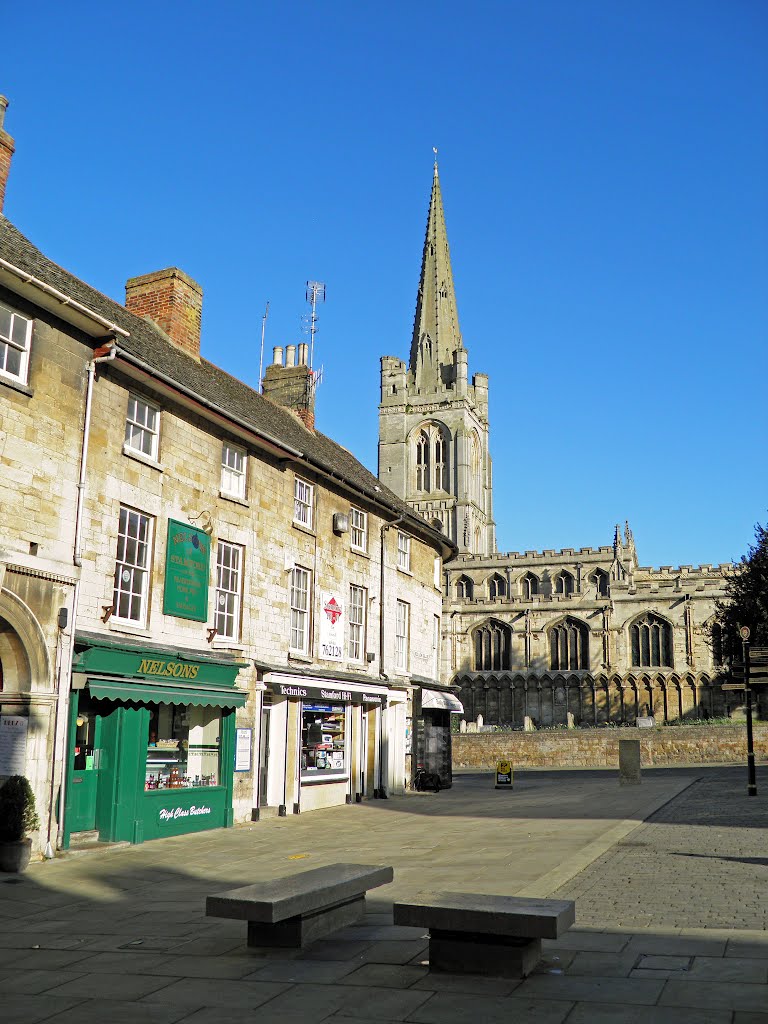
{"x": 532, "y": 634}
{"x": 209, "y": 611}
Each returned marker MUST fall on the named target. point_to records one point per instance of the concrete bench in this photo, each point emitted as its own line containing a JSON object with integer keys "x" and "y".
{"x": 301, "y": 908}
{"x": 471, "y": 933}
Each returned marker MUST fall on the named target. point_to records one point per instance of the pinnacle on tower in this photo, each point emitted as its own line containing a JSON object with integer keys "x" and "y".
{"x": 436, "y": 334}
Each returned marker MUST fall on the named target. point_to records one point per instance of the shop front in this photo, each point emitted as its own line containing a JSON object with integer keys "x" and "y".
{"x": 151, "y": 742}
{"x": 432, "y": 747}
{"x": 329, "y": 742}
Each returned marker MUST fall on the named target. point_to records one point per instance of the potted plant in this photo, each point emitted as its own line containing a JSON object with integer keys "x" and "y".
{"x": 17, "y": 819}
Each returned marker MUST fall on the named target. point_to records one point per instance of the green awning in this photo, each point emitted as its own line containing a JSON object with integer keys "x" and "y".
{"x": 156, "y": 693}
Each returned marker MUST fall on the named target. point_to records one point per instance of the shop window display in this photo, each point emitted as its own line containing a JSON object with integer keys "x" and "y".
{"x": 183, "y": 747}
{"x": 323, "y": 740}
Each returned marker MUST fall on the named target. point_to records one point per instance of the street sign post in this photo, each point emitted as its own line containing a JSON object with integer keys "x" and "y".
{"x": 751, "y": 778}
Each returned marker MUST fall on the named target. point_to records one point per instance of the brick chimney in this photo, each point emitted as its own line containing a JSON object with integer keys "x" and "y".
{"x": 292, "y": 384}
{"x": 173, "y": 301}
{"x": 6, "y": 152}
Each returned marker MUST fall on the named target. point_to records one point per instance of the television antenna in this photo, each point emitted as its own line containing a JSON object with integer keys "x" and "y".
{"x": 261, "y": 355}
{"x": 315, "y": 292}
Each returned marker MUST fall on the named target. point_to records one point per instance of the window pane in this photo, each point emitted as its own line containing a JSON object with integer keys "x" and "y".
{"x": 323, "y": 739}
{"x": 183, "y": 747}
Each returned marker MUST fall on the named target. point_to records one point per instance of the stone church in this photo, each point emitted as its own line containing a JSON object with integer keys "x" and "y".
{"x": 533, "y": 634}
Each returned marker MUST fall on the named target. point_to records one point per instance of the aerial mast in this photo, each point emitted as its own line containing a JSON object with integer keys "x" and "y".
{"x": 315, "y": 292}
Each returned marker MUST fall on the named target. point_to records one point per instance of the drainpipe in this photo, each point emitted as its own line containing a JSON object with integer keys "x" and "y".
{"x": 381, "y": 792}
{"x": 106, "y": 353}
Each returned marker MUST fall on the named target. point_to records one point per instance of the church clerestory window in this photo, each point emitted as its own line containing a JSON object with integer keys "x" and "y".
{"x": 569, "y": 645}
{"x": 600, "y": 580}
{"x": 651, "y": 642}
{"x": 529, "y": 586}
{"x": 497, "y": 587}
{"x": 564, "y": 583}
{"x": 464, "y": 588}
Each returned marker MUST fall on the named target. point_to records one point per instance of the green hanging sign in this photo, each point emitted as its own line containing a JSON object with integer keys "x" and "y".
{"x": 187, "y": 562}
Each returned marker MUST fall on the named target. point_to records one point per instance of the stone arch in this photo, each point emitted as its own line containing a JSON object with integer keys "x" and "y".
{"x": 23, "y": 652}
{"x": 464, "y": 588}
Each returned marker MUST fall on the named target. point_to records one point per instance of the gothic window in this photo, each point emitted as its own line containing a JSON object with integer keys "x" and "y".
{"x": 600, "y": 580}
{"x": 651, "y": 640}
{"x": 422, "y": 462}
{"x": 431, "y": 458}
{"x": 569, "y": 645}
{"x": 497, "y": 587}
{"x": 529, "y": 586}
{"x": 564, "y": 583}
{"x": 716, "y": 641}
{"x": 439, "y": 481}
{"x": 464, "y": 588}
{"x": 492, "y": 645}
{"x": 474, "y": 469}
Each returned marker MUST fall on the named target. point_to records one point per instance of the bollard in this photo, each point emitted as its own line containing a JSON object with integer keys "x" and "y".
{"x": 629, "y": 762}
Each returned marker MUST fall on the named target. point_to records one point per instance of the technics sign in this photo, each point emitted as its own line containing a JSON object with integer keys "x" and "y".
{"x": 188, "y": 555}
{"x": 325, "y": 693}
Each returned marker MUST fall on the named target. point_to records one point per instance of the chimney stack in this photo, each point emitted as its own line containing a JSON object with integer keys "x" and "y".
{"x": 292, "y": 384}
{"x": 6, "y": 152}
{"x": 173, "y": 301}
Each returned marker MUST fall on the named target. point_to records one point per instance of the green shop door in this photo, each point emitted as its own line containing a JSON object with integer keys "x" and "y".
{"x": 86, "y": 758}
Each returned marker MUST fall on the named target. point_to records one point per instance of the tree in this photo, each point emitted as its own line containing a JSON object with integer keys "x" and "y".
{"x": 746, "y": 598}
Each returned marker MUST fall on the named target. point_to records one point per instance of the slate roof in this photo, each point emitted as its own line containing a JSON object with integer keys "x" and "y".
{"x": 210, "y": 382}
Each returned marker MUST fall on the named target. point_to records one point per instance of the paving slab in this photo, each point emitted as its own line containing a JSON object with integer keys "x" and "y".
{"x": 671, "y": 907}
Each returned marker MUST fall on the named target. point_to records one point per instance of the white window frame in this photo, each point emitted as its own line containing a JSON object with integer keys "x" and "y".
{"x": 16, "y": 338}
{"x": 438, "y": 570}
{"x": 403, "y": 552}
{"x": 301, "y": 604}
{"x": 142, "y": 420}
{"x": 234, "y": 464}
{"x": 436, "y": 626}
{"x": 358, "y": 529}
{"x": 303, "y": 503}
{"x": 132, "y": 565}
{"x": 356, "y": 623}
{"x": 229, "y": 590}
{"x": 402, "y": 635}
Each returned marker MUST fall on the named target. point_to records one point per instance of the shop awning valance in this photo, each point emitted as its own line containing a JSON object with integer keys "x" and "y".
{"x": 157, "y": 693}
{"x": 439, "y": 699}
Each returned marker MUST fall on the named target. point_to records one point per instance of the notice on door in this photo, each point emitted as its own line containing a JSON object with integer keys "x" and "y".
{"x": 13, "y": 744}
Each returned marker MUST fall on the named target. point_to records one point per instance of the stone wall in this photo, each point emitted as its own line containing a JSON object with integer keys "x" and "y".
{"x": 599, "y": 748}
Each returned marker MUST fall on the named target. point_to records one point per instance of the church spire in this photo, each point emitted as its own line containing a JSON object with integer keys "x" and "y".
{"x": 436, "y": 334}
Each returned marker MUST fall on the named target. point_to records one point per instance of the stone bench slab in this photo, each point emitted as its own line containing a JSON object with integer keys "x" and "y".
{"x": 474, "y": 933}
{"x": 300, "y": 908}
{"x": 515, "y": 916}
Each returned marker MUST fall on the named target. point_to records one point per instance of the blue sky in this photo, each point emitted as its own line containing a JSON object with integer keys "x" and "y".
{"x": 604, "y": 167}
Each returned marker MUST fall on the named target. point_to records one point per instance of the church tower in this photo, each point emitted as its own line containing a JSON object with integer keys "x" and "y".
{"x": 433, "y": 424}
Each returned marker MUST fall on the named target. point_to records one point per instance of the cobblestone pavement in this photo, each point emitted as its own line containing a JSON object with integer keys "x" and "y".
{"x": 670, "y": 880}
{"x": 700, "y": 862}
